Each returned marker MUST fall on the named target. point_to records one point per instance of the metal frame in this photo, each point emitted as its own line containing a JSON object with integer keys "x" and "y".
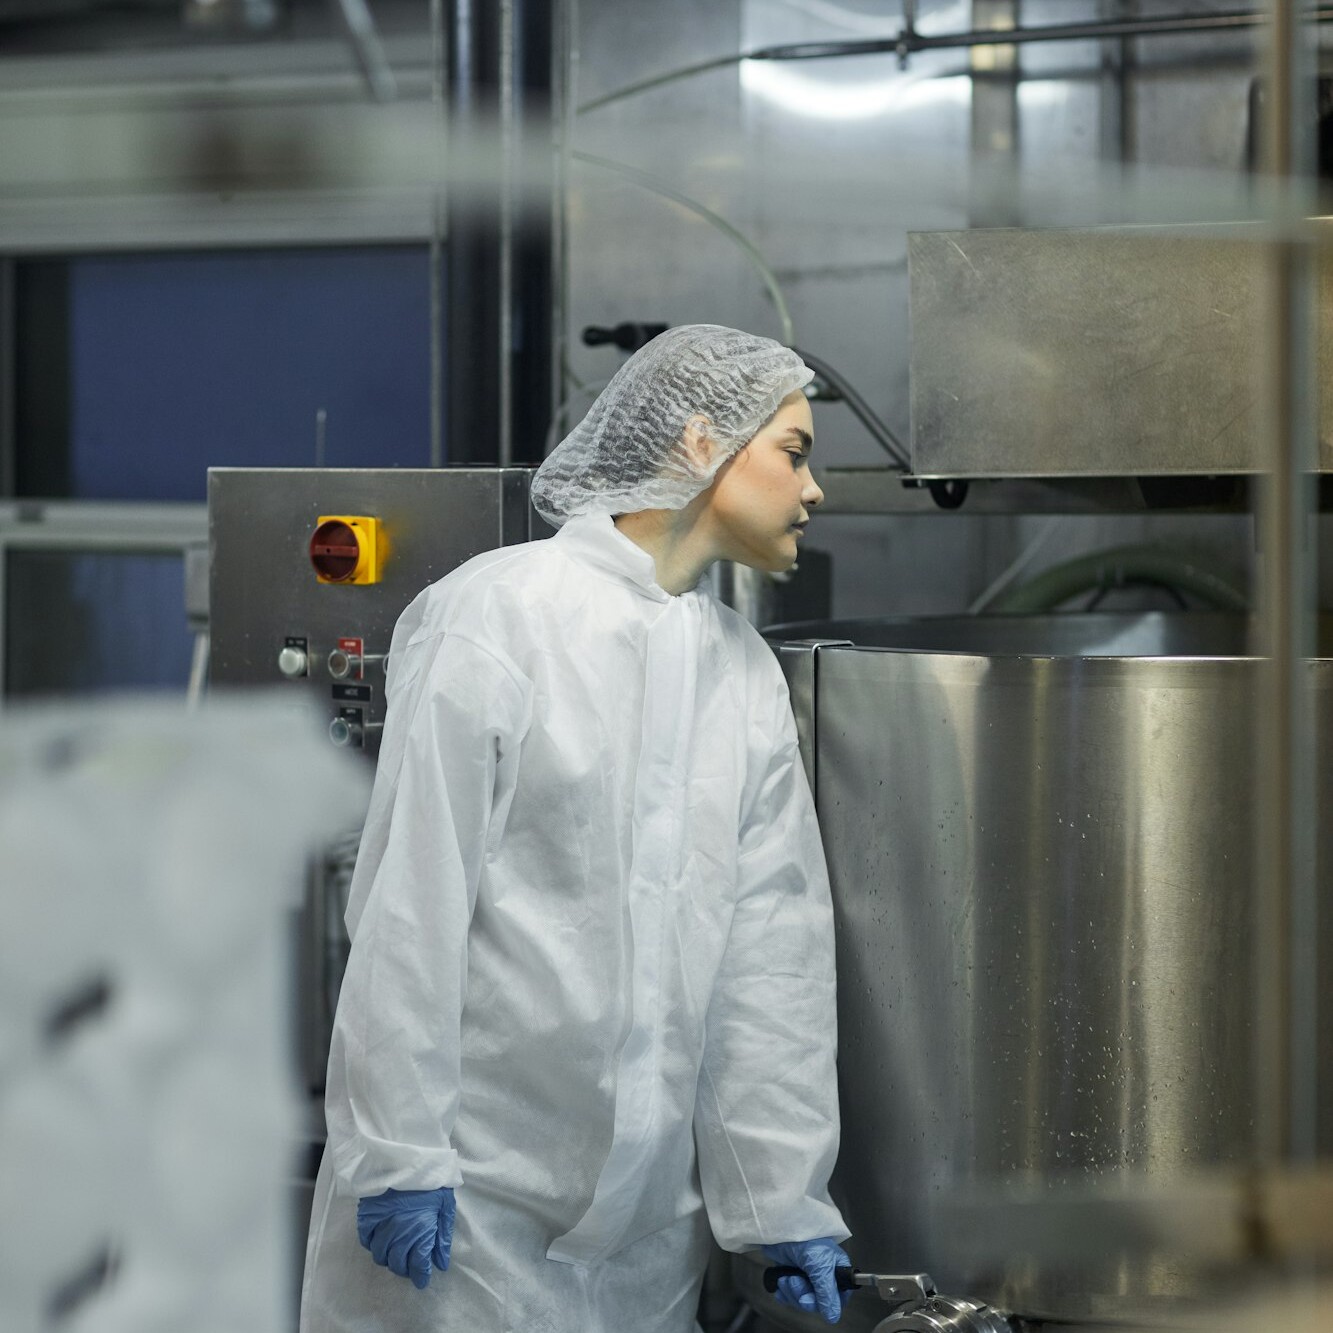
{"x": 89, "y": 526}
{"x": 8, "y": 377}
{"x": 156, "y": 112}
{"x": 500, "y": 259}
{"x": 1285, "y": 1049}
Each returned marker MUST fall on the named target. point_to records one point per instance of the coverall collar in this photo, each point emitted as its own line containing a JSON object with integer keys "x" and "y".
{"x": 598, "y": 541}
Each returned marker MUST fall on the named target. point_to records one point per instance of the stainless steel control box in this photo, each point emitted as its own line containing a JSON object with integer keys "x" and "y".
{"x": 272, "y": 620}
{"x": 275, "y": 624}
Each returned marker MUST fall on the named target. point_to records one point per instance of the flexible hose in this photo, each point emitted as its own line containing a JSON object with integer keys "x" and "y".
{"x": 862, "y": 410}
{"x": 1114, "y": 568}
{"x": 660, "y": 187}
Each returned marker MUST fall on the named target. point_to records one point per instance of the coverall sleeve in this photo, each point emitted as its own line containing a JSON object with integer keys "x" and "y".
{"x": 445, "y": 778}
{"x": 766, "y": 1119}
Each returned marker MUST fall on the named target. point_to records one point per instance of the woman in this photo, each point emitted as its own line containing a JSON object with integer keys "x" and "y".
{"x": 591, "y": 982}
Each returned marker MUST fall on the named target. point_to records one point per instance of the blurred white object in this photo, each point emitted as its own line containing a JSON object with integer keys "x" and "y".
{"x": 147, "y": 1105}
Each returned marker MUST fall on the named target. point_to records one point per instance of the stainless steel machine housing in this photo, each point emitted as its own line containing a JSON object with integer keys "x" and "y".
{"x": 1103, "y": 352}
{"x": 1040, "y": 837}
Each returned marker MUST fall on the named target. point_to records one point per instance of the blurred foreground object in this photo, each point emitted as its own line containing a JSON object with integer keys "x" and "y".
{"x": 241, "y": 16}
{"x": 147, "y": 1104}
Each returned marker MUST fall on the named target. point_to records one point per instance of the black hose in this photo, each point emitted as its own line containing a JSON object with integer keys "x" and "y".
{"x": 862, "y": 410}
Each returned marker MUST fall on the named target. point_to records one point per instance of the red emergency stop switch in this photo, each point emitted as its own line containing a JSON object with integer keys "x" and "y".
{"x": 346, "y": 548}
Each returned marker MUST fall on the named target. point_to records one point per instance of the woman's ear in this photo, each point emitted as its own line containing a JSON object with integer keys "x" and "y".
{"x": 698, "y": 443}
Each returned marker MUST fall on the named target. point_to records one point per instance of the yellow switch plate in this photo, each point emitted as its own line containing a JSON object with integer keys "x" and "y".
{"x": 369, "y": 548}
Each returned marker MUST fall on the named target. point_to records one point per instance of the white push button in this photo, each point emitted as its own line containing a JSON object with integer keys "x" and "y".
{"x": 293, "y": 662}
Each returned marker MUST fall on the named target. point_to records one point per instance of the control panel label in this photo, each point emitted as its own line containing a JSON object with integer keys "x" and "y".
{"x": 352, "y": 694}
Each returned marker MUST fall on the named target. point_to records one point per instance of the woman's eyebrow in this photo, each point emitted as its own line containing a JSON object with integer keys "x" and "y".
{"x": 807, "y": 440}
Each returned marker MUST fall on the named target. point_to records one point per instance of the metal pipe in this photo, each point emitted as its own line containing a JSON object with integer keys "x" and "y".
{"x": 472, "y": 288}
{"x": 435, "y": 276}
{"x": 364, "y": 36}
{"x": 8, "y": 377}
{"x": 1114, "y": 103}
{"x": 509, "y": 148}
{"x": 1285, "y": 1060}
{"x": 909, "y": 41}
{"x": 564, "y": 80}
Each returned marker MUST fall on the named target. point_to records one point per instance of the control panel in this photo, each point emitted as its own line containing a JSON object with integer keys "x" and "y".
{"x": 309, "y": 570}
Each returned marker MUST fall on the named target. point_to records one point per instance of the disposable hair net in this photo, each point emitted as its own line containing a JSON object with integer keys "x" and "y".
{"x": 628, "y": 454}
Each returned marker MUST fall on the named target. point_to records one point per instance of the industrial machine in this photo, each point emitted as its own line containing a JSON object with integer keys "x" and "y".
{"x": 311, "y": 567}
{"x": 1041, "y": 844}
{"x": 1098, "y": 352}
{"x": 1044, "y": 832}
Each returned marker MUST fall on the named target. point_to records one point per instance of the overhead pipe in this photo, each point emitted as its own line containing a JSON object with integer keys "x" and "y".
{"x": 359, "y": 24}
{"x": 498, "y": 258}
{"x": 910, "y": 42}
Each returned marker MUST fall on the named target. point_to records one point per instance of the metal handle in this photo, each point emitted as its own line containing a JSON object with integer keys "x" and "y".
{"x": 343, "y": 663}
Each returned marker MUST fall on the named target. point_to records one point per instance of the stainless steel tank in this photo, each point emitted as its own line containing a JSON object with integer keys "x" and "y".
{"x": 1040, "y": 837}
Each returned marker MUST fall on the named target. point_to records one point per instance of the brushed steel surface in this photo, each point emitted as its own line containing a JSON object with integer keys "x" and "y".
{"x": 880, "y": 490}
{"x": 1041, "y": 858}
{"x": 1100, "y": 352}
{"x": 263, "y": 590}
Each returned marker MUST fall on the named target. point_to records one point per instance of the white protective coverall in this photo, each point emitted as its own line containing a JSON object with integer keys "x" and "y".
{"x": 591, "y": 983}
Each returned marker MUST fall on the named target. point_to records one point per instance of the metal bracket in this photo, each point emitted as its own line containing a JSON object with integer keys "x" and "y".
{"x": 799, "y": 663}
{"x": 898, "y": 1290}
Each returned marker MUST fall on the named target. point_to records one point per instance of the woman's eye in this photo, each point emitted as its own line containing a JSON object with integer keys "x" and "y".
{"x": 797, "y": 458}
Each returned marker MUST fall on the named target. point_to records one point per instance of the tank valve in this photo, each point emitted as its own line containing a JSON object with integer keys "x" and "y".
{"x": 915, "y": 1305}
{"x": 946, "y": 1314}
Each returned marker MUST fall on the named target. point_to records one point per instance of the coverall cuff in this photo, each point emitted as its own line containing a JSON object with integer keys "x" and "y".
{"x": 363, "y": 1173}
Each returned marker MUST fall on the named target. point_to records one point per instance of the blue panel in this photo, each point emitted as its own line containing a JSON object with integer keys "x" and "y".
{"x": 82, "y": 622}
{"x": 179, "y": 363}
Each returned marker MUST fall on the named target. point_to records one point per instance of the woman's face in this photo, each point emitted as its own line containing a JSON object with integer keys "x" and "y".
{"x": 760, "y": 500}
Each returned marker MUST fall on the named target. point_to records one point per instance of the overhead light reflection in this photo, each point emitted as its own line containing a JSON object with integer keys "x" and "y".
{"x": 1035, "y": 93}
{"x": 802, "y": 95}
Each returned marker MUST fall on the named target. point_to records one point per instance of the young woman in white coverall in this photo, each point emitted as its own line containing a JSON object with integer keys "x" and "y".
{"x": 591, "y": 985}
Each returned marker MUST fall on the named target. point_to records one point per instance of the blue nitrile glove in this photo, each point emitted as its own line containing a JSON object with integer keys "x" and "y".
{"x": 817, "y": 1259}
{"x": 408, "y": 1230}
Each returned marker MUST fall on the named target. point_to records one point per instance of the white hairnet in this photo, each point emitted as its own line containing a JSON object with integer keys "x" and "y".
{"x": 627, "y": 454}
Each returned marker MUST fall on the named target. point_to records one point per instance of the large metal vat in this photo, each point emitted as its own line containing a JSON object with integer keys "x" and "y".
{"x": 1040, "y": 838}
